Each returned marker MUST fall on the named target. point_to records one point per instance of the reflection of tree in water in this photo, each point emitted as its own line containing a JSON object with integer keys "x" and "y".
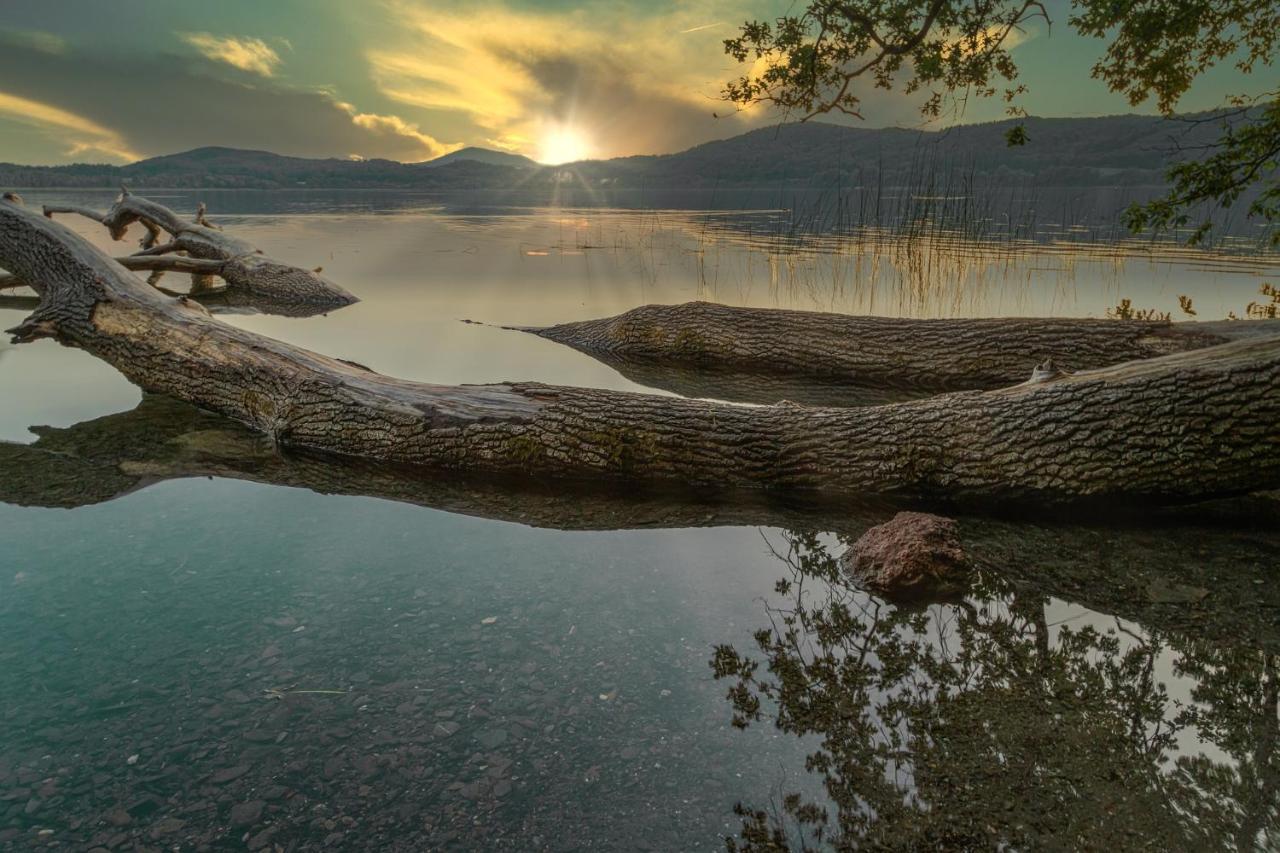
{"x": 974, "y": 726}
{"x": 1236, "y": 707}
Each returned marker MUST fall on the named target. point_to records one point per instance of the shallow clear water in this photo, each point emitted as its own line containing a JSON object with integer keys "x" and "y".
{"x": 206, "y": 642}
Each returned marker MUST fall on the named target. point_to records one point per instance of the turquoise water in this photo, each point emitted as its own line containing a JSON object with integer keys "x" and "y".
{"x": 206, "y": 643}
{"x": 545, "y": 684}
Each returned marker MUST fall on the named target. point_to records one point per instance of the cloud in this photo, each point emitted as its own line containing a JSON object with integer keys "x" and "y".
{"x": 36, "y": 39}
{"x": 629, "y": 83}
{"x": 82, "y": 138}
{"x": 247, "y": 54}
{"x": 394, "y": 126}
{"x": 162, "y": 104}
{"x": 622, "y": 82}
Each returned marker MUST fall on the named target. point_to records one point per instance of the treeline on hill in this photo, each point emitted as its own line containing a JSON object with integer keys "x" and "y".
{"x": 230, "y": 168}
{"x": 1111, "y": 151}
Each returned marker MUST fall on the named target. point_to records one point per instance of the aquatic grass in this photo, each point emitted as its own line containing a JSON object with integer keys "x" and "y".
{"x": 934, "y": 241}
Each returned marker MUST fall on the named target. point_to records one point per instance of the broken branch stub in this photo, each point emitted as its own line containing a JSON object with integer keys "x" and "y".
{"x": 240, "y": 264}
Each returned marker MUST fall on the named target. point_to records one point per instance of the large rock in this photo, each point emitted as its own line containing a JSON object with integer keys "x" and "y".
{"x": 914, "y": 556}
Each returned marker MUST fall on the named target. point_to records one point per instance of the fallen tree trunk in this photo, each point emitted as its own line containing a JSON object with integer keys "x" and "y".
{"x": 1182, "y": 427}
{"x": 879, "y": 352}
{"x": 218, "y": 301}
{"x": 193, "y": 265}
{"x": 145, "y": 263}
{"x": 210, "y": 251}
{"x": 1190, "y": 571}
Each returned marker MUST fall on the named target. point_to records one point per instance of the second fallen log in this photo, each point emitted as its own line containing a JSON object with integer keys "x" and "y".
{"x": 879, "y": 352}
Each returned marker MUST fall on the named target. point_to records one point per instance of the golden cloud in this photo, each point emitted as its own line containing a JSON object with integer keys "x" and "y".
{"x": 248, "y": 54}
{"x": 628, "y": 83}
{"x": 55, "y": 93}
{"x": 985, "y": 40}
{"x": 396, "y": 126}
{"x": 81, "y": 136}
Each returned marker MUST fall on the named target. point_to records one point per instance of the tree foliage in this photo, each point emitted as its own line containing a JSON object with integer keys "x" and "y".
{"x": 821, "y": 59}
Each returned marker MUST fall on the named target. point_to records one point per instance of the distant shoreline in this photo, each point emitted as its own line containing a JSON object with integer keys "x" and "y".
{"x": 1129, "y": 151}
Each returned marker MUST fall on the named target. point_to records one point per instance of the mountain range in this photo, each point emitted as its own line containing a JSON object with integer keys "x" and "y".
{"x": 1125, "y": 150}
{"x": 485, "y": 155}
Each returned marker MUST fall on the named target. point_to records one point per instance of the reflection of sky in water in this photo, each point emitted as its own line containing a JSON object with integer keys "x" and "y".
{"x": 165, "y": 599}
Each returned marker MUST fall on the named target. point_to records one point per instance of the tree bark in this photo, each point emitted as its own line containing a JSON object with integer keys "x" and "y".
{"x": 218, "y": 301}
{"x": 876, "y": 352}
{"x": 151, "y": 263}
{"x": 1189, "y": 570}
{"x": 212, "y": 252}
{"x": 1181, "y": 427}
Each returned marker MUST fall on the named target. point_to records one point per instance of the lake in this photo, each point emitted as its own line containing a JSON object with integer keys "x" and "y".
{"x": 209, "y": 643}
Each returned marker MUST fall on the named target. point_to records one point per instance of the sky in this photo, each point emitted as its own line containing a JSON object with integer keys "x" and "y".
{"x": 410, "y": 80}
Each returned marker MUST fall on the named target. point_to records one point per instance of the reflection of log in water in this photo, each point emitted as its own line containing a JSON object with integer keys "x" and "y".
{"x": 1171, "y": 572}
{"x": 979, "y": 726}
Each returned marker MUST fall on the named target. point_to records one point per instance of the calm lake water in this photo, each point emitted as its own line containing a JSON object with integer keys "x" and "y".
{"x": 206, "y": 643}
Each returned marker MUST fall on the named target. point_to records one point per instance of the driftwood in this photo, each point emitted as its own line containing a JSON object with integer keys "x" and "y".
{"x": 218, "y": 301}
{"x": 1187, "y": 426}
{"x": 885, "y": 353}
{"x": 198, "y": 268}
{"x": 210, "y": 251}
{"x": 1193, "y": 572}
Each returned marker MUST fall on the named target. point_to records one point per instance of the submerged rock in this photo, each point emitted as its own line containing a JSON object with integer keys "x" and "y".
{"x": 247, "y": 814}
{"x": 913, "y": 556}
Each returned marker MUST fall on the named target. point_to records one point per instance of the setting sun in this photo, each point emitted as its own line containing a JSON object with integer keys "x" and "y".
{"x": 563, "y": 145}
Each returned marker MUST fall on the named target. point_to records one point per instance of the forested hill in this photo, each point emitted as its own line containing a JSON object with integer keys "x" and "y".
{"x": 1116, "y": 150}
{"x": 1061, "y": 152}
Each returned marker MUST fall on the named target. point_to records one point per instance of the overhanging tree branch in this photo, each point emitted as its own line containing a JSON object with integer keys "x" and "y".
{"x": 808, "y": 63}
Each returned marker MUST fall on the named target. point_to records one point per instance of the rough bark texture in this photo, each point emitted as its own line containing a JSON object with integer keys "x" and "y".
{"x": 1187, "y": 426}
{"x": 218, "y": 301}
{"x": 878, "y": 352}
{"x": 152, "y": 263}
{"x": 243, "y": 266}
{"x": 1190, "y": 570}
